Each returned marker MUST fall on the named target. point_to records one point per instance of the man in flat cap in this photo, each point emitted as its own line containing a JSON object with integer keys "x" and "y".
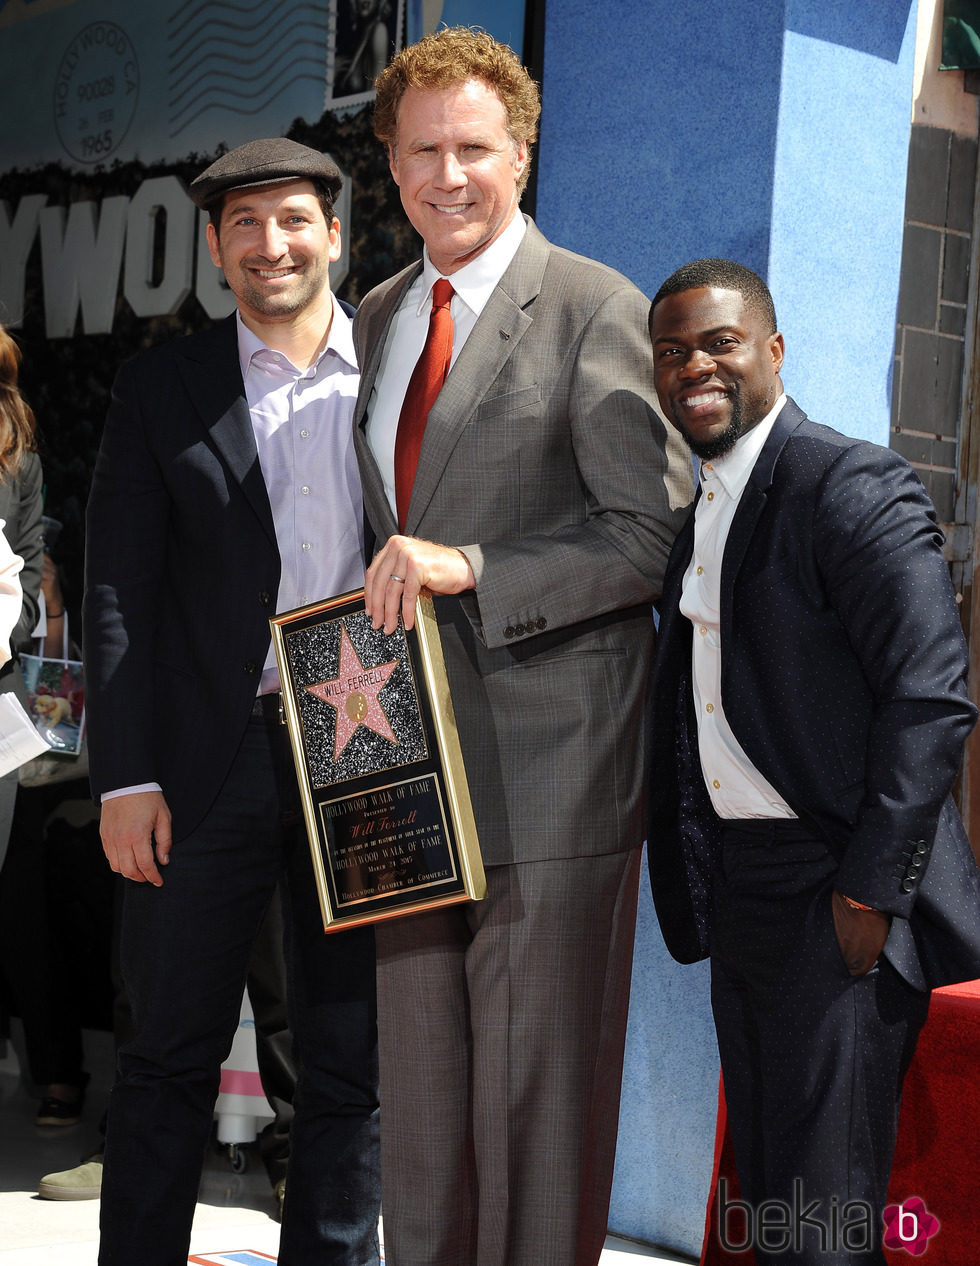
{"x": 226, "y": 490}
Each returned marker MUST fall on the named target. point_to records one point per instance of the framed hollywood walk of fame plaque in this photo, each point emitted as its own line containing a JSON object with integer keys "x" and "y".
{"x": 377, "y": 756}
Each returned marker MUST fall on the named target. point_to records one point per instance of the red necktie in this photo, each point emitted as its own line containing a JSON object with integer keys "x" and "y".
{"x": 424, "y": 385}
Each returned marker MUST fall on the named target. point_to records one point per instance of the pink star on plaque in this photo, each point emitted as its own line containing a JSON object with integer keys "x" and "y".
{"x": 354, "y": 694}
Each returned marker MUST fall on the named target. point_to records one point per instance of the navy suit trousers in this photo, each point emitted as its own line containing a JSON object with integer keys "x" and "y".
{"x": 185, "y": 951}
{"x": 813, "y": 1059}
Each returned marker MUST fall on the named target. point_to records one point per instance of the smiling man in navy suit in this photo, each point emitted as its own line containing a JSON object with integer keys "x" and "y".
{"x": 810, "y": 711}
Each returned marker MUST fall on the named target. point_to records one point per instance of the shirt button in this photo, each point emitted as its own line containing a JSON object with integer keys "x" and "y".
{"x": 305, "y": 433}
{"x": 305, "y": 490}
{"x": 700, "y": 571}
{"x": 307, "y": 545}
{"x": 715, "y": 783}
{"x": 710, "y": 496}
{"x": 702, "y": 630}
{"x": 709, "y": 707}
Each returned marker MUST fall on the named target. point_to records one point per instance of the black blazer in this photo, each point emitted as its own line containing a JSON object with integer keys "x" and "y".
{"x": 843, "y": 678}
{"x": 182, "y": 572}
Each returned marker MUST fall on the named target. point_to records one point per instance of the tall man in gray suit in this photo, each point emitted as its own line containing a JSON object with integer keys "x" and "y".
{"x": 546, "y": 496}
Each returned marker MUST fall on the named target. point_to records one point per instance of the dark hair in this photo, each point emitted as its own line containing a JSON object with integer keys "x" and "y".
{"x": 450, "y": 57}
{"x": 323, "y": 194}
{"x": 16, "y": 418}
{"x": 726, "y": 275}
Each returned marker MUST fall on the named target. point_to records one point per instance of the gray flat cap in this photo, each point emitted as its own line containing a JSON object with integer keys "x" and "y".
{"x": 266, "y": 162}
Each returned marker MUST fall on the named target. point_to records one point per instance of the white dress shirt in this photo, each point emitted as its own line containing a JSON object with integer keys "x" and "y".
{"x": 11, "y": 593}
{"x": 474, "y": 283}
{"x": 737, "y": 789}
{"x": 302, "y": 420}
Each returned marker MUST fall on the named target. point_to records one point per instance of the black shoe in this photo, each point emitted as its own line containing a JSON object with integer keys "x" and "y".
{"x": 53, "y": 1111}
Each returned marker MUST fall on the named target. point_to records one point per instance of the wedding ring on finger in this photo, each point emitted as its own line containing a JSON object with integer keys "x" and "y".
{"x": 398, "y": 579}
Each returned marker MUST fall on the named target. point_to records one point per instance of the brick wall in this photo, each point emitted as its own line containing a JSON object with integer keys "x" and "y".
{"x": 932, "y": 308}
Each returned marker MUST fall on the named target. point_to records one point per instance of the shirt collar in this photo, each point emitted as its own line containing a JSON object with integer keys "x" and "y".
{"x": 475, "y": 281}
{"x": 732, "y": 471}
{"x": 340, "y": 340}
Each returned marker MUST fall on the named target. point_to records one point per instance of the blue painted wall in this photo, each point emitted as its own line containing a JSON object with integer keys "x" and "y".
{"x": 774, "y": 132}
{"x": 838, "y": 205}
{"x": 658, "y": 132}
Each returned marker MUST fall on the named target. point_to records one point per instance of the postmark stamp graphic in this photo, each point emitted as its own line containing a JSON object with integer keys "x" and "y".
{"x": 96, "y": 91}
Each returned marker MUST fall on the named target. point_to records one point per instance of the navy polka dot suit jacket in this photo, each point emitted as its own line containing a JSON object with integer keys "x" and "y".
{"x": 844, "y": 680}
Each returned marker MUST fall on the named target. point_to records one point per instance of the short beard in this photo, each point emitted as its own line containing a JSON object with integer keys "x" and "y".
{"x": 711, "y": 450}
{"x": 310, "y": 285}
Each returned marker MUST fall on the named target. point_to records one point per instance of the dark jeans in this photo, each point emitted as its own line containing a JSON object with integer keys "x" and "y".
{"x": 185, "y": 952}
{"x": 813, "y": 1058}
{"x": 56, "y": 897}
{"x": 273, "y": 1040}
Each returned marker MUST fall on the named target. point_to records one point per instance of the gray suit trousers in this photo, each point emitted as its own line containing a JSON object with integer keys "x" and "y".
{"x": 514, "y": 1012}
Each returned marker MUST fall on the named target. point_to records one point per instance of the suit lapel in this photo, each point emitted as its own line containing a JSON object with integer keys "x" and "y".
{"x": 371, "y": 327}
{"x": 750, "y": 507}
{"x": 677, "y": 564}
{"x": 371, "y": 334}
{"x": 673, "y": 658}
{"x": 211, "y": 372}
{"x": 493, "y": 340}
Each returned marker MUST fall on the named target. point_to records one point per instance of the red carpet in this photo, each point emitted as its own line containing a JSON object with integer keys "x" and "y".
{"x": 938, "y": 1152}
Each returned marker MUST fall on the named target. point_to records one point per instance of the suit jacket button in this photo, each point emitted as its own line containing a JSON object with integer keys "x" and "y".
{"x": 920, "y": 847}
{"x": 264, "y": 599}
{"x": 509, "y": 631}
{"x": 251, "y": 666}
{"x": 908, "y": 885}
{"x": 542, "y": 623}
{"x": 520, "y": 630}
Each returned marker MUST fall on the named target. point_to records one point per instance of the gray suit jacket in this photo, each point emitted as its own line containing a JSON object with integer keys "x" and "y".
{"x": 543, "y": 459}
{"x": 20, "y": 508}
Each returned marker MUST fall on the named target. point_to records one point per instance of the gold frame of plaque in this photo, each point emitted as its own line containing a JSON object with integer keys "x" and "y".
{"x": 381, "y": 777}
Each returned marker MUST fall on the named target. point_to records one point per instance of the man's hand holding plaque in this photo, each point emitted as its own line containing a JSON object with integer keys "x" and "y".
{"x": 406, "y": 568}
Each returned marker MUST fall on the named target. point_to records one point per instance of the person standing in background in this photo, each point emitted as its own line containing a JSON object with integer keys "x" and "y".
{"x": 21, "y": 506}
{"x": 20, "y": 512}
